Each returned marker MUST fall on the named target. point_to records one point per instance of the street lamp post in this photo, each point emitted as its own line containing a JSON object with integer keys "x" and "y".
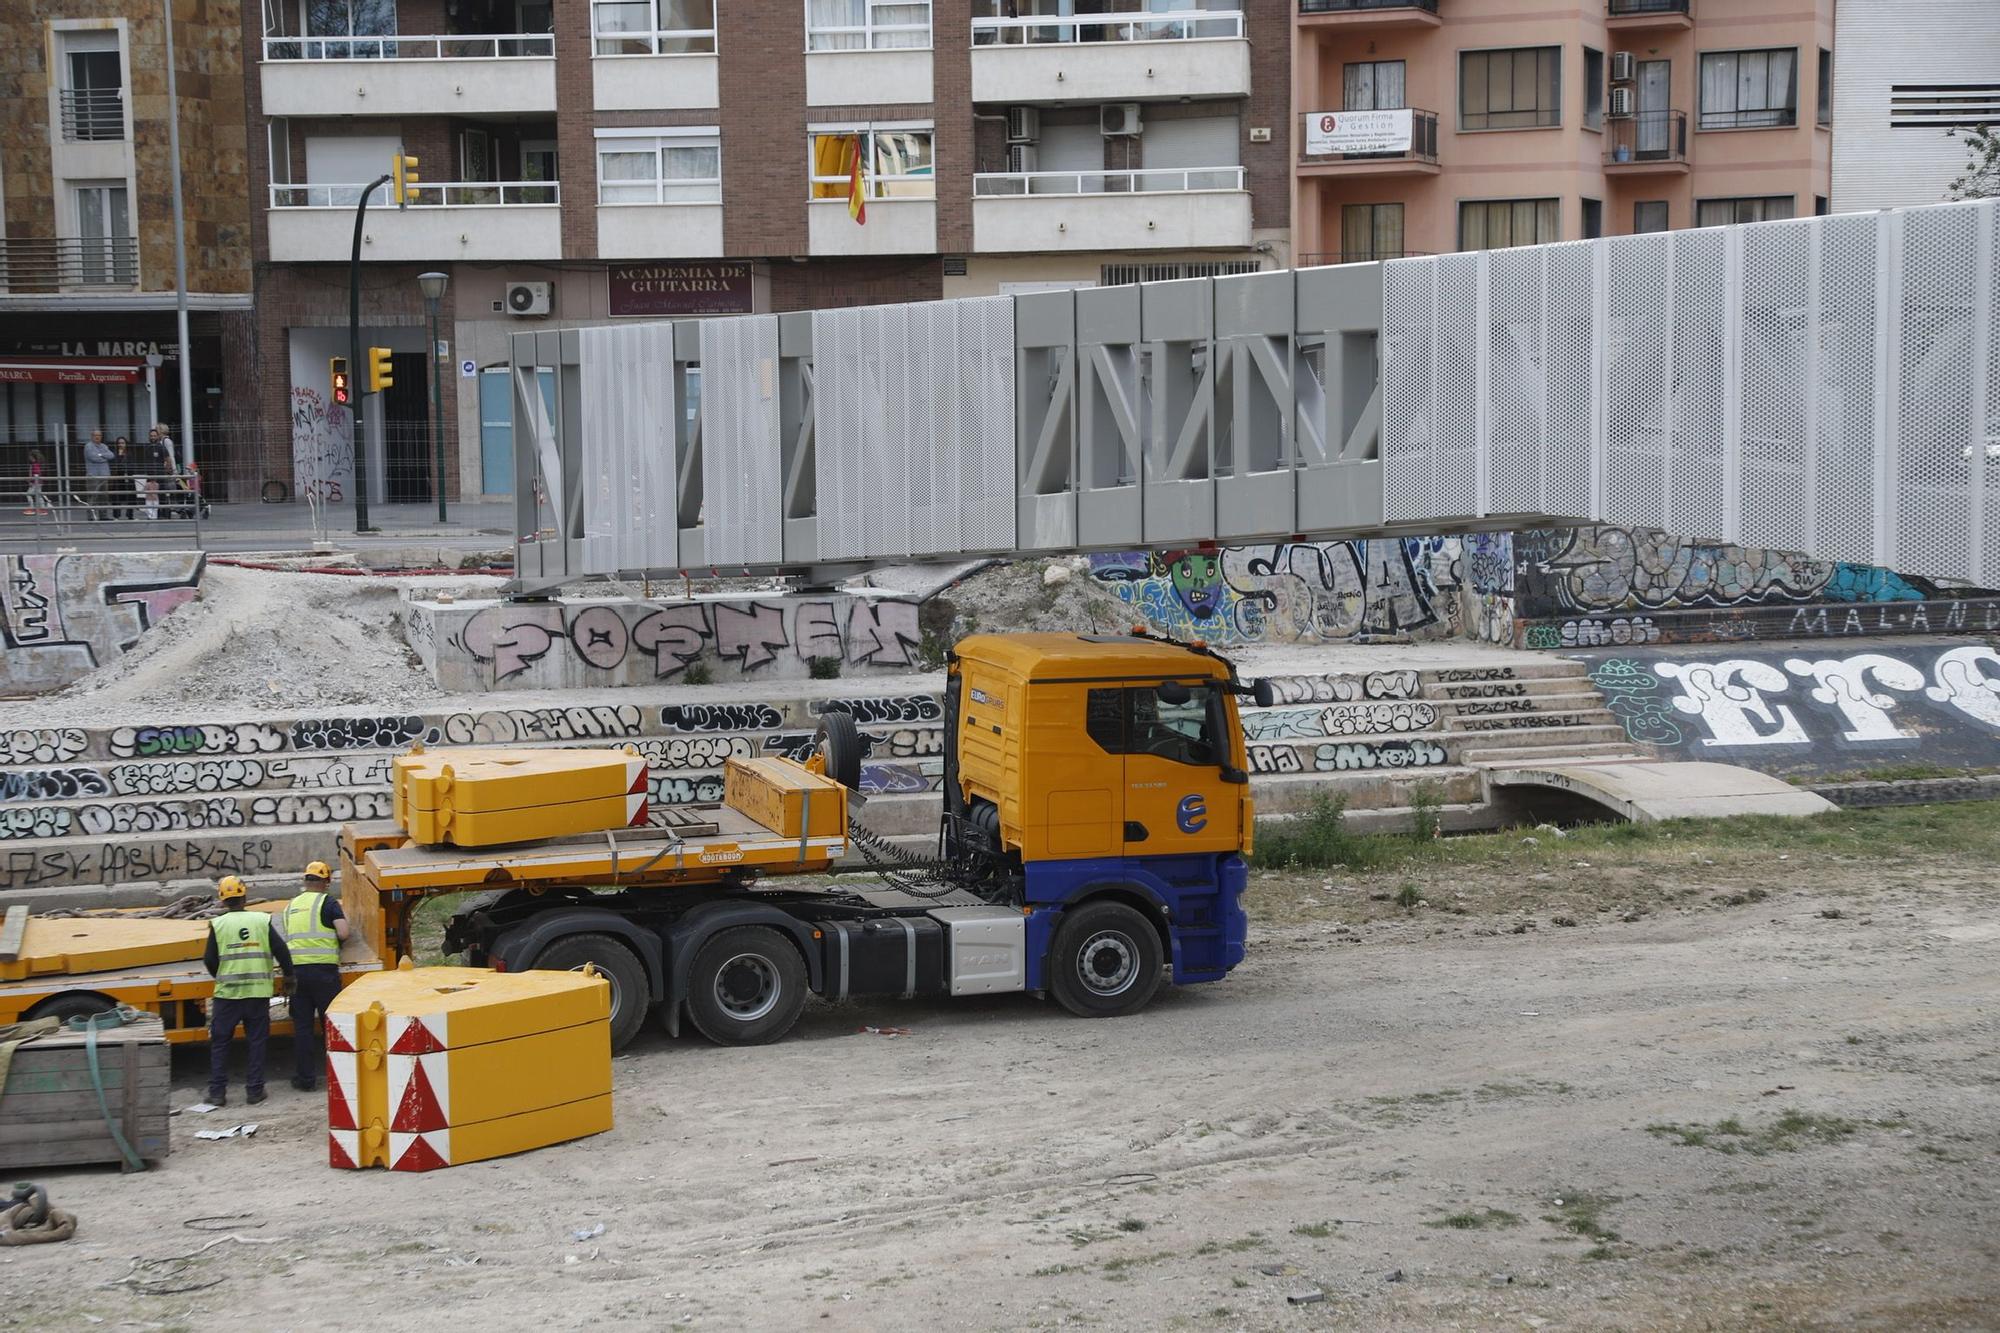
{"x": 433, "y": 285}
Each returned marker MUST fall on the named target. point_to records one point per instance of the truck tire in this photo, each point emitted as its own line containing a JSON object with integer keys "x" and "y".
{"x": 1105, "y": 961}
{"x": 746, "y": 987}
{"x": 75, "y": 1004}
{"x": 630, "y": 995}
{"x": 839, "y": 740}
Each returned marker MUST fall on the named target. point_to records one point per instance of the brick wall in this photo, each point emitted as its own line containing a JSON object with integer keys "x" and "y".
{"x": 763, "y": 86}
{"x": 1267, "y": 166}
{"x": 576, "y": 147}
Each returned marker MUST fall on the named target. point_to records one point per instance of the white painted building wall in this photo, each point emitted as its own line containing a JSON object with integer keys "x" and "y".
{"x": 1880, "y": 44}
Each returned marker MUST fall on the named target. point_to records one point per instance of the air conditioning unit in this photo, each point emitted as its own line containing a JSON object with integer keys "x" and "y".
{"x": 1119, "y": 120}
{"x": 1021, "y": 157}
{"x": 1622, "y": 103}
{"x": 527, "y": 298}
{"x": 1622, "y": 67}
{"x": 1024, "y": 124}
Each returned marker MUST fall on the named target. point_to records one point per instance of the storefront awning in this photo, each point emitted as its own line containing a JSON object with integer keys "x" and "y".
{"x": 56, "y": 370}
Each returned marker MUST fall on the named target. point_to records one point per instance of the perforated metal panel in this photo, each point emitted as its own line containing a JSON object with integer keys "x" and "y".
{"x": 741, "y": 490}
{"x": 628, "y": 417}
{"x": 1825, "y": 385}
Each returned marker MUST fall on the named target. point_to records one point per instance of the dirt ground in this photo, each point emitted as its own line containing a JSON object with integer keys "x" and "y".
{"x": 1755, "y": 1086}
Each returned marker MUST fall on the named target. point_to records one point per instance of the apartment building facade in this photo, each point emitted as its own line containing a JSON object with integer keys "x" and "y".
{"x": 591, "y": 161}
{"x": 1481, "y": 126}
{"x": 88, "y": 331}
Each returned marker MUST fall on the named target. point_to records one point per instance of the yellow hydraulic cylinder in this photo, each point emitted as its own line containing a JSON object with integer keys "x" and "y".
{"x": 430, "y": 1067}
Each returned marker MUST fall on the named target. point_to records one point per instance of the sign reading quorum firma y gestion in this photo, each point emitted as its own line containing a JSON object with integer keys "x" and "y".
{"x": 680, "y": 289}
{"x": 1358, "y": 132}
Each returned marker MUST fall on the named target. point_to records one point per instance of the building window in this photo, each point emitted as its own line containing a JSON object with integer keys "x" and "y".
{"x": 1119, "y": 275}
{"x": 1749, "y": 90}
{"x": 1649, "y": 215}
{"x": 1820, "y": 206}
{"x": 1754, "y": 208}
{"x": 1495, "y": 224}
{"x": 1370, "y": 231}
{"x": 653, "y": 27}
{"x": 660, "y": 167}
{"x": 1593, "y": 219}
{"x": 1373, "y": 85}
{"x": 1510, "y": 90}
{"x": 895, "y": 163}
{"x": 1593, "y": 89}
{"x": 1825, "y": 114}
{"x": 867, "y": 25}
{"x": 346, "y": 22}
{"x": 105, "y": 252}
{"x": 93, "y": 87}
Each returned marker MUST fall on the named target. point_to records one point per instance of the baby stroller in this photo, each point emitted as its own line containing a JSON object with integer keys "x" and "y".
{"x": 180, "y": 495}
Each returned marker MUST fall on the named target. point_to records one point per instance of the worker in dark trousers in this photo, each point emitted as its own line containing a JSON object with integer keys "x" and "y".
{"x": 243, "y": 956}
{"x": 314, "y": 927}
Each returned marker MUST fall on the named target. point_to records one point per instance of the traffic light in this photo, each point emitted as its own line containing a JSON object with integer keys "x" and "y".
{"x": 403, "y": 178}
{"x": 343, "y": 392}
{"x": 379, "y": 377}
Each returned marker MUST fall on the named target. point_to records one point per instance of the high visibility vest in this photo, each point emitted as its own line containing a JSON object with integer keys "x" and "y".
{"x": 243, "y": 956}
{"x": 309, "y": 939}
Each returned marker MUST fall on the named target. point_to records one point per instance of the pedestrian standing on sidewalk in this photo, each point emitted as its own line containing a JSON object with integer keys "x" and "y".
{"x": 38, "y": 503}
{"x": 159, "y": 469}
{"x": 97, "y": 456}
{"x": 125, "y": 486}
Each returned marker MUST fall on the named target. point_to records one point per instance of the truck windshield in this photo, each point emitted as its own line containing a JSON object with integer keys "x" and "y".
{"x": 1136, "y": 720}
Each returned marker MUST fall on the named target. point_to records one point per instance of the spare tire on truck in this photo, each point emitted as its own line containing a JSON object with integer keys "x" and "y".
{"x": 838, "y": 742}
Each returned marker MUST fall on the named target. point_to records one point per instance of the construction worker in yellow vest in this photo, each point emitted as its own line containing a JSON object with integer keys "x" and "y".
{"x": 314, "y": 927}
{"x": 243, "y": 956}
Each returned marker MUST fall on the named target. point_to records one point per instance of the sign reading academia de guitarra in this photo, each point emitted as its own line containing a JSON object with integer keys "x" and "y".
{"x": 680, "y": 289}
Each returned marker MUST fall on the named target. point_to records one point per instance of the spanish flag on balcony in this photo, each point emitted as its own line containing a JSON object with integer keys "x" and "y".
{"x": 857, "y": 194}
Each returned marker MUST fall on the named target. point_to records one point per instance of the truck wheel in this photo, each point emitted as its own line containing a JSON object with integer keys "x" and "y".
{"x": 839, "y": 740}
{"x": 746, "y": 987}
{"x": 630, "y": 994}
{"x": 1105, "y": 961}
{"x": 79, "y": 1004}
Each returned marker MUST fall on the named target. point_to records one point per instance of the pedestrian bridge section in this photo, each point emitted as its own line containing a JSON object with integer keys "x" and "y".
{"x": 1825, "y": 385}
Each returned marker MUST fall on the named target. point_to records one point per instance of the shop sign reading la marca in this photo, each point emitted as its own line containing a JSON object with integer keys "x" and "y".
{"x": 1358, "y": 132}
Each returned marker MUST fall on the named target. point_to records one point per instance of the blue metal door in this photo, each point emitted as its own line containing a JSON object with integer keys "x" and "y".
{"x": 496, "y": 428}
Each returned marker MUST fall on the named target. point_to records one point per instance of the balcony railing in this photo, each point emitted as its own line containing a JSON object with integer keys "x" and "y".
{"x": 59, "y": 264}
{"x": 462, "y": 194}
{"x": 482, "y": 46}
{"x": 1619, "y": 9}
{"x": 93, "y": 115}
{"x": 1755, "y": 118}
{"x": 1179, "y": 26}
{"x": 1423, "y": 141}
{"x": 1358, "y": 6}
{"x": 1650, "y": 136}
{"x": 1176, "y": 180}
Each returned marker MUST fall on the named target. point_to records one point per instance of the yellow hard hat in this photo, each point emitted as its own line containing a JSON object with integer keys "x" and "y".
{"x": 319, "y": 870}
{"x": 231, "y": 886}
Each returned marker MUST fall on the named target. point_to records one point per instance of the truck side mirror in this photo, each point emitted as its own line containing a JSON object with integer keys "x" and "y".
{"x": 1263, "y": 693}
{"x": 1173, "y": 692}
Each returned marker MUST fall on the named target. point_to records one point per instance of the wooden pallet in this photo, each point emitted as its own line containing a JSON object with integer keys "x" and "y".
{"x": 49, "y": 1114}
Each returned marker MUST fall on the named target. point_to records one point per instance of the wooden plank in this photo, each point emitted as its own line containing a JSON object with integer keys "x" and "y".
{"x": 12, "y": 931}
{"x": 146, "y": 1029}
{"x": 50, "y": 1081}
{"x": 78, "y": 1130}
{"x": 75, "y": 1108}
{"x": 152, "y": 1148}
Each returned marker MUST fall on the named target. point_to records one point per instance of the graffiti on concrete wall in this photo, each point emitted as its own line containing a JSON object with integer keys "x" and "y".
{"x": 1808, "y": 712}
{"x": 322, "y": 447}
{"x": 1298, "y": 592}
{"x": 1346, "y": 756}
{"x": 633, "y": 642}
{"x": 62, "y": 616}
{"x": 130, "y": 862}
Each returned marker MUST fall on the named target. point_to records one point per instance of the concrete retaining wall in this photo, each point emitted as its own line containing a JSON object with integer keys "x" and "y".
{"x": 591, "y": 643}
{"x": 63, "y": 616}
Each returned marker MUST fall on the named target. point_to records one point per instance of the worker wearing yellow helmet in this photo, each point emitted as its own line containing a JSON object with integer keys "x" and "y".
{"x": 314, "y": 927}
{"x": 243, "y": 955}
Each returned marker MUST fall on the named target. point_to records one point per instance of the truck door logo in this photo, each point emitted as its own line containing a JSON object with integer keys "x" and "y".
{"x": 1191, "y": 814}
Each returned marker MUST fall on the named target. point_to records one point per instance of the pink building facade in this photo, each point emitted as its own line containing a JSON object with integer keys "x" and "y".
{"x": 1541, "y": 121}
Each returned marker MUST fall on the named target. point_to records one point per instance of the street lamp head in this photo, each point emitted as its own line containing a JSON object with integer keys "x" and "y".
{"x": 433, "y": 285}
{"x": 155, "y": 360}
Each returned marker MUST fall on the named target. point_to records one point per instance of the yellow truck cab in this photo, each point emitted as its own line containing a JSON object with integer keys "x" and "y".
{"x": 1107, "y": 772}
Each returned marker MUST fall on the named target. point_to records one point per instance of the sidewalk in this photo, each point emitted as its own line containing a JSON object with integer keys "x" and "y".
{"x": 247, "y": 526}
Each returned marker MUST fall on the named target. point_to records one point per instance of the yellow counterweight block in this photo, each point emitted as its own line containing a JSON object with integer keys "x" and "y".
{"x": 437, "y": 1066}
{"x": 487, "y": 797}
